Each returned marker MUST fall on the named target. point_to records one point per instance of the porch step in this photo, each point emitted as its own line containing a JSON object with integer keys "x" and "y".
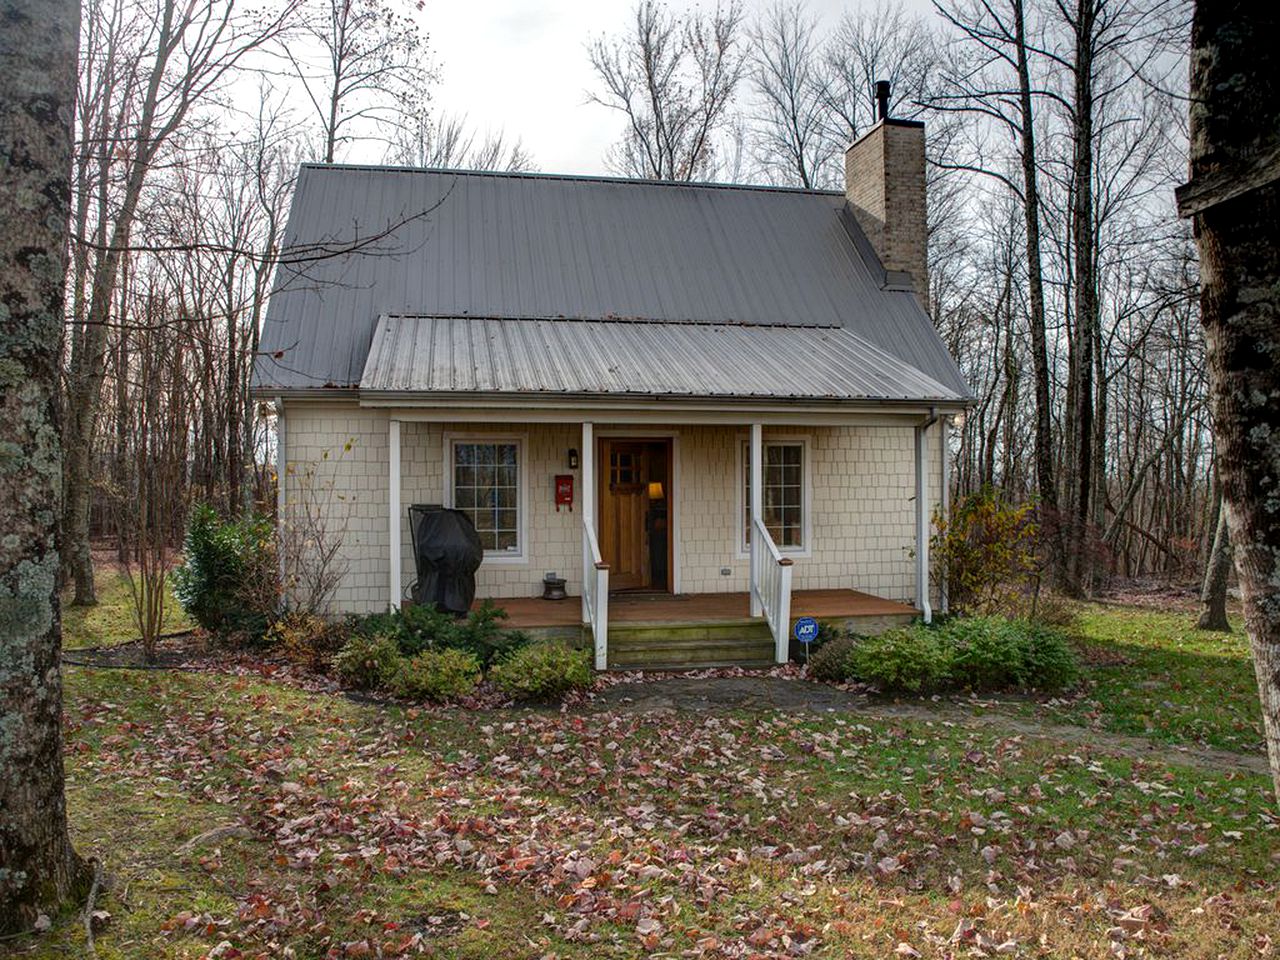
{"x": 690, "y": 645}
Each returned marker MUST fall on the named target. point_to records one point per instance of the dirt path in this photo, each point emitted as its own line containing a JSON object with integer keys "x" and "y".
{"x": 764, "y": 694}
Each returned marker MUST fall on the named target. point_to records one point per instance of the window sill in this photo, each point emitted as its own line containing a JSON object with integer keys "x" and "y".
{"x": 505, "y": 559}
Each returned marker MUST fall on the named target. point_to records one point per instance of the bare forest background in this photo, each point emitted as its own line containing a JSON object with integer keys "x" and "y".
{"x": 1059, "y": 273}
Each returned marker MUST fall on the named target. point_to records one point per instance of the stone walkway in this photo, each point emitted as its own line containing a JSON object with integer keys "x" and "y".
{"x": 762, "y": 694}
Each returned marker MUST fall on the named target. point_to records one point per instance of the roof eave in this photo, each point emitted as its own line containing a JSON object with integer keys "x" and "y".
{"x": 623, "y": 401}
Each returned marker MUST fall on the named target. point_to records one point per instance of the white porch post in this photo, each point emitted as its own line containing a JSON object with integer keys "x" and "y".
{"x": 588, "y": 499}
{"x": 757, "y": 508}
{"x": 282, "y": 499}
{"x": 945, "y": 495}
{"x": 396, "y": 583}
{"x": 922, "y": 522}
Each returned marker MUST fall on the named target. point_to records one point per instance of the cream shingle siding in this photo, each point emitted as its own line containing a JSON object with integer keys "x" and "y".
{"x": 862, "y": 526}
{"x": 862, "y": 502}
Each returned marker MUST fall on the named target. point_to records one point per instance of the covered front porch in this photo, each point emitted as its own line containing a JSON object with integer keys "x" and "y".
{"x": 733, "y": 569}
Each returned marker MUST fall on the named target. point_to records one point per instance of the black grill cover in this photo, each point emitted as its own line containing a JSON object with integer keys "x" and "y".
{"x": 447, "y": 552}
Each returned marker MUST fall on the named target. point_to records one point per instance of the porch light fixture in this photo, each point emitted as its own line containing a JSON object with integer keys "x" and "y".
{"x": 655, "y": 490}
{"x": 573, "y": 458}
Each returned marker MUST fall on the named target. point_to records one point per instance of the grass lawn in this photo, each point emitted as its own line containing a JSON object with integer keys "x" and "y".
{"x": 347, "y": 829}
{"x": 1150, "y": 673}
{"x": 112, "y": 620}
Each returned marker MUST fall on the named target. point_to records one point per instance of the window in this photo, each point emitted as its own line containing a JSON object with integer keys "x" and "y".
{"x": 783, "y": 489}
{"x": 486, "y": 486}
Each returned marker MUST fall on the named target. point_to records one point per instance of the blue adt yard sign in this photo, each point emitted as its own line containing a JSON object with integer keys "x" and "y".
{"x": 806, "y": 630}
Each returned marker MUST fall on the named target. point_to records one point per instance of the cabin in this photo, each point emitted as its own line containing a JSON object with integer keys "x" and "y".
{"x": 709, "y": 409}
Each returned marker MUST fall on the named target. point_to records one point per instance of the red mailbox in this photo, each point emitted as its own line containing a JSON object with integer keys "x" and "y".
{"x": 564, "y": 491}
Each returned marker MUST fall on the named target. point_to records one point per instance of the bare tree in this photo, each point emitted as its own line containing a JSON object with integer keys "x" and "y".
{"x": 673, "y": 78}
{"x": 1234, "y": 196}
{"x": 790, "y": 125}
{"x": 448, "y": 141}
{"x": 40, "y": 871}
{"x": 178, "y": 56}
{"x": 372, "y": 66}
{"x": 885, "y": 43}
{"x": 1002, "y": 35}
{"x": 150, "y": 505}
{"x": 311, "y": 535}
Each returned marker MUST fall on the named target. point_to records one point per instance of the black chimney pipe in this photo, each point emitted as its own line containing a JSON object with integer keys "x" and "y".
{"x": 882, "y": 99}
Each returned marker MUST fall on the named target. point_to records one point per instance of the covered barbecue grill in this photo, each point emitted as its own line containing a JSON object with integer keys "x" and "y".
{"x": 446, "y": 552}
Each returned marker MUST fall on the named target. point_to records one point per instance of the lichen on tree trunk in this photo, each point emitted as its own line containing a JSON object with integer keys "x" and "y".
{"x": 39, "y": 870}
{"x": 1235, "y": 120}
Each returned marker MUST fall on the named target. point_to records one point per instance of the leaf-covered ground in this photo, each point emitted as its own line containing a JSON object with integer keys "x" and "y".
{"x": 241, "y": 815}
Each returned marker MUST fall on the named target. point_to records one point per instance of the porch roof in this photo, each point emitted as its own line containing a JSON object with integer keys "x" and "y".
{"x": 440, "y": 355}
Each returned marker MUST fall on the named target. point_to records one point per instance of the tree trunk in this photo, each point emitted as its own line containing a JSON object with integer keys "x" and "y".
{"x": 1085, "y": 296}
{"x": 39, "y": 870}
{"x": 1046, "y": 482}
{"x": 1213, "y": 596}
{"x": 1235, "y": 198}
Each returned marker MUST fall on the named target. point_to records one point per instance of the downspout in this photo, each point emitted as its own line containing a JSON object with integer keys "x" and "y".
{"x": 946, "y": 501}
{"x": 282, "y": 466}
{"x": 922, "y": 517}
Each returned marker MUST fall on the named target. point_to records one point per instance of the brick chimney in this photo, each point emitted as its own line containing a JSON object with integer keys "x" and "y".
{"x": 884, "y": 184}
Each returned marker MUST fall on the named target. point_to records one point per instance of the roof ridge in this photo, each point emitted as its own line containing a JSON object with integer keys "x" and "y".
{"x": 652, "y": 321}
{"x": 568, "y": 178}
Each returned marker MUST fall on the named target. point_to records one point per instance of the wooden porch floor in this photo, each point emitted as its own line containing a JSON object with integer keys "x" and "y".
{"x": 531, "y": 612}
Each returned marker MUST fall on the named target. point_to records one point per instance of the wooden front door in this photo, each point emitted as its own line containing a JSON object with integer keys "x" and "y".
{"x": 630, "y": 519}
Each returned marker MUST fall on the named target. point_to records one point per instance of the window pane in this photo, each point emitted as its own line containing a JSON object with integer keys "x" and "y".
{"x": 486, "y": 482}
{"x": 782, "y": 493}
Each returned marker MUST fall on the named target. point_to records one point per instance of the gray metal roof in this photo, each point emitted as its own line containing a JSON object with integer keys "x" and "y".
{"x": 529, "y": 246}
{"x": 451, "y": 355}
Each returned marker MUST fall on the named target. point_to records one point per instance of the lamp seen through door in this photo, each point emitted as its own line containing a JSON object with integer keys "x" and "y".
{"x": 656, "y": 521}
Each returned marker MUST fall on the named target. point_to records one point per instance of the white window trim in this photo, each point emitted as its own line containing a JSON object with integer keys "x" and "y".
{"x": 496, "y": 557}
{"x": 742, "y": 441}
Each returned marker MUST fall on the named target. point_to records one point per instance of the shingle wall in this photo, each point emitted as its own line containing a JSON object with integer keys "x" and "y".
{"x": 862, "y": 530}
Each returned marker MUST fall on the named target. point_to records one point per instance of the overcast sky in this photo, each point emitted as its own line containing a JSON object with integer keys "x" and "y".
{"x": 523, "y": 67}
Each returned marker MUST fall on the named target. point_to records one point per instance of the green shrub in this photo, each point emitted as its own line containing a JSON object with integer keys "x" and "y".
{"x": 367, "y": 662}
{"x": 1051, "y": 662}
{"x": 436, "y": 675}
{"x": 975, "y": 653}
{"x": 991, "y": 653}
{"x": 910, "y": 659}
{"x": 228, "y": 581}
{"x": 987, "y": 653}
{"x": 543, "y": 671}
{"x": 831, "y": 662}
{"x": 418, "y": 628}
{"x": 414, "y": 628}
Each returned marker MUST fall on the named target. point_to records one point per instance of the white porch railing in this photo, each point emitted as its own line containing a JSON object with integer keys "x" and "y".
{"x": 771, "y": 587}
{"x": 595, "y": 592}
